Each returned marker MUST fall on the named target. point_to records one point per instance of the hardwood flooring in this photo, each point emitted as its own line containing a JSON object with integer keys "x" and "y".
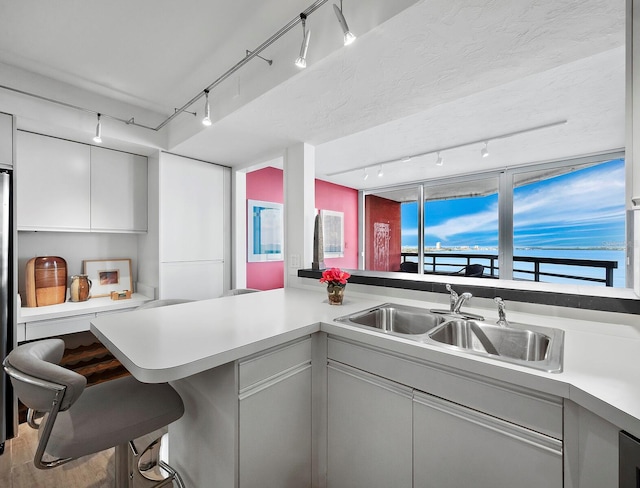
{"x": 17, "y": 469}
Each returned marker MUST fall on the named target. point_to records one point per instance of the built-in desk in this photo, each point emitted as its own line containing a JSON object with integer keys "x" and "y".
{"x": 69, "y": 317}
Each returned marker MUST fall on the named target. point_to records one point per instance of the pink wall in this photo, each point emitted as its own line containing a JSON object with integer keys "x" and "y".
{"x": 345, "y": 200}
{"x": 267, "y": 185}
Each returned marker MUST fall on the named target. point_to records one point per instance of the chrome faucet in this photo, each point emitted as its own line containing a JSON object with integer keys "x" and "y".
{"x": 460, "y": 301}
{"x": 453, "y": 297}
{"x": 456, "y": 301}
{"x": 502, "y": 316}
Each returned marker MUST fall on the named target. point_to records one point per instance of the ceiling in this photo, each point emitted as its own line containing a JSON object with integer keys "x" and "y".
{"x": 422, "y": 76}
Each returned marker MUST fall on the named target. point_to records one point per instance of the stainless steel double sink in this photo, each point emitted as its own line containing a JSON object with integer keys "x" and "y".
{"x": 527, "y": 345}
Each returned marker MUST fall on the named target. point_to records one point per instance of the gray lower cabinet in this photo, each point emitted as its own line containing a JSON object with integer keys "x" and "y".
{"x": 468, "y": 430}
{"x": 455, "y": 446}
{"x": 275, "y": 419}
{"x": 369, "y": 430}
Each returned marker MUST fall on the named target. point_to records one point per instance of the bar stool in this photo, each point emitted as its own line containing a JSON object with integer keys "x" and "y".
{"x": 80, "y": 421}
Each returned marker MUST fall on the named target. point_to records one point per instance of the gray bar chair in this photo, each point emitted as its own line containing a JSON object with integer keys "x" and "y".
{"x": 79, "y": 421}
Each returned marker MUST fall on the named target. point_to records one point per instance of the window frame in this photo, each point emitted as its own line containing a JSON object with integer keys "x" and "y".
{"x": 505, "y": 212}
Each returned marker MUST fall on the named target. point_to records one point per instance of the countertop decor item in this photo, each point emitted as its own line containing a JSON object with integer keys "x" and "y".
{"x": 336, "y": 280}
{"x": 46, "y": 281}
{"x": 108, "y": 275}
{"x": 318, "y": 245}
{"x": 79, "y": 288}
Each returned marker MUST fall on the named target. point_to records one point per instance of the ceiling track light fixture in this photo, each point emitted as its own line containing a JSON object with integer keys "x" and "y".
{"x": 485, "y": 150}
{"x": 206, "y": 120}
{"x": 349, "y": 37}
{"x": 448, "y": 148}
{"x": 380, "y": 172}
{"x": 240, "y": 64}
{"x": 440, "y": 160}
{"x": 98, "y": 137}
{"x": 301, "y": 62}
{"x": 366, "y": 175}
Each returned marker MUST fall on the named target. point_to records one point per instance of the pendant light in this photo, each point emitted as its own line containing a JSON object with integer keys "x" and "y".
{"x": 301, "y": 62}
{"x": 349, "y": 37}
{"x": 98, "y": 137}
{"x": 206, "y": 121}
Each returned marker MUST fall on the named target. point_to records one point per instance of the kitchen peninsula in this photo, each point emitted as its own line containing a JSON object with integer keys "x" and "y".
{"x": 261, "y": 377}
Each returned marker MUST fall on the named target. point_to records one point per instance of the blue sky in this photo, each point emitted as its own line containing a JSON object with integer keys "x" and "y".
{"x": 580, "y": 209}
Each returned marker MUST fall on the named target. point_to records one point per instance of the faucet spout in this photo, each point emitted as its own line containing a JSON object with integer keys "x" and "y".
{"x": 460, "y": 301}
{"x": 453, "y": 297}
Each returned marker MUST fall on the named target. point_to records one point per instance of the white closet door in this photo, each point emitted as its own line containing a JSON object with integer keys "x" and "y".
{"x": 191, "y": 210}
{"x": 192, "y": 281}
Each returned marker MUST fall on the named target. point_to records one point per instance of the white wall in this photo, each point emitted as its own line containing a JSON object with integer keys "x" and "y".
{"x": 74, "y": 247}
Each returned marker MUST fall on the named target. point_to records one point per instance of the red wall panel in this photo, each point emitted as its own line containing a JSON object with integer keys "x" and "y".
{"x": 383, "y": 243}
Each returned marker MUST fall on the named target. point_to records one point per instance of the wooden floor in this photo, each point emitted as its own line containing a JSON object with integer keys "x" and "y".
{"x": 17, "y": 469}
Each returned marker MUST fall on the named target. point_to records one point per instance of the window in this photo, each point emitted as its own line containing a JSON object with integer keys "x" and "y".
{"x": 567, "y": 226}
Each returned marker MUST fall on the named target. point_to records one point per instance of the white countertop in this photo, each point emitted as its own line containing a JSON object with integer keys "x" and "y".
{"x": 601, "y": 361}
{"x": 68, "y": 309}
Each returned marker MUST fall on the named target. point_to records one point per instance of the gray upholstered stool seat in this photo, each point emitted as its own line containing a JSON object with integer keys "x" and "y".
{"x": 80, "y": 421}
{"x": 113, "y": 413}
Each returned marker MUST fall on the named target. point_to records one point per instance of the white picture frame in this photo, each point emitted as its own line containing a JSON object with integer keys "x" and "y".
{"x": 108, "y": 275}
{"x": 333, "y": 233}
{"x": 265, "y": 231}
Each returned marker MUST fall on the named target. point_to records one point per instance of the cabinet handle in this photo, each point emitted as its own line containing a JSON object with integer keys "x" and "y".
{"x": 495, "y": 424}
{"x": 372, "y": 379}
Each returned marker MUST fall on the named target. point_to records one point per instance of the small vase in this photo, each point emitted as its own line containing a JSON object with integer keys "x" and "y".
{"x": 336, "y": 294}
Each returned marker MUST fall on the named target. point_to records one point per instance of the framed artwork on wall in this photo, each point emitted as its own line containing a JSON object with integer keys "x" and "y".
{"x": 265, "y": 231}
{"x": 333, "y": 233}
{"x": 108, "y": 275}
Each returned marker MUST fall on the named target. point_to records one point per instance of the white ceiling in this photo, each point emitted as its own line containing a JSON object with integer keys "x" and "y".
{"x": 432, "y": 74}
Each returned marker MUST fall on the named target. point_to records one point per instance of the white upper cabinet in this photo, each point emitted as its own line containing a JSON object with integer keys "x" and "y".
{"x": 53, "y": 184}
{"x": 6, "y": 140}
{"x": 118, "y": 191}
{"x": 69, "y": 186}
{"x": 191, "y": 210}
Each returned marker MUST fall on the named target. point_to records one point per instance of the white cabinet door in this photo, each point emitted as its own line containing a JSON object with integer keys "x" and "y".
{"x": 53, "y": 184}
{"x": 118, "y": 191}
{"x": 199, "y": 280}
{"x": 275, "y": 432}
{"x": 192, "y": 205}
{"x": 455, "y": 446}
{"x": 369, "y": 431}
{"x": 6, "y": 139}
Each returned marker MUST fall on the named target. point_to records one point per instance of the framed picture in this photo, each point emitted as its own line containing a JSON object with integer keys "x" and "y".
{"x": 108, "y": 275}
{"x": 265, "y": 234}
{"x": 333, "y": 233}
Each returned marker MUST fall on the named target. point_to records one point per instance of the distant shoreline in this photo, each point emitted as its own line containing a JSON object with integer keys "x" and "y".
{"x": 495, "y": 249}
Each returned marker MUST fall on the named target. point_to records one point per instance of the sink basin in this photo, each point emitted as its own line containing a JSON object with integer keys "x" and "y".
{"x": 393, "y": 318}
{"x": 526, "y": 345}
{"x": 537, "y": 347}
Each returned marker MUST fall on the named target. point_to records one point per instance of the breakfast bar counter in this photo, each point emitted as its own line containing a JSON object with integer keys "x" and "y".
{"x": 198, "y": 346}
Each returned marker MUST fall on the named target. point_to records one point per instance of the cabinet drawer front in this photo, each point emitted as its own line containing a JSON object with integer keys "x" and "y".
{"x": 256, "y": 369}
{"x": 48, "y": 328}
{"x": 533, "y": 410}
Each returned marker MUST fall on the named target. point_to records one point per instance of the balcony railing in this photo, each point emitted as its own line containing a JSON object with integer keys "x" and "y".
{"x": 455, "y": 263}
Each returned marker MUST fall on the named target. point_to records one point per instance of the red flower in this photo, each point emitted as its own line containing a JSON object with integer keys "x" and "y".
{"x": 334, "y": 276}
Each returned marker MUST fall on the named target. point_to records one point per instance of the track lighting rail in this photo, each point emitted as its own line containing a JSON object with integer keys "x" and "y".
{"x": 484, "y": 140}
{"x": 250, "y": 54}
{"x": 312, "y": 8}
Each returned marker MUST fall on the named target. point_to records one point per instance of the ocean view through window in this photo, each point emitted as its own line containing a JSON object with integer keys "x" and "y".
{"x": 568, "y": 225}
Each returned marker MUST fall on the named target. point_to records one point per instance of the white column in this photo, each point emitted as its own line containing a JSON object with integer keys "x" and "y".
{"x": 239, "y": 230}
{"x": 299, "y": 208}
{"x": 632, "y": 140}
